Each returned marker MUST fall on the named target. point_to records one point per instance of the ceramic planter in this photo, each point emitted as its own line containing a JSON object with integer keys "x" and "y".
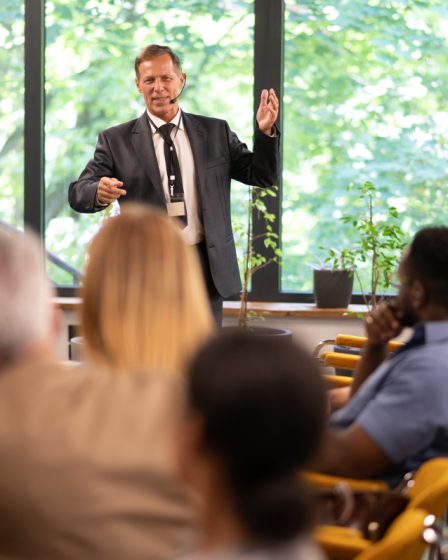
{"x": 333, "y": 288}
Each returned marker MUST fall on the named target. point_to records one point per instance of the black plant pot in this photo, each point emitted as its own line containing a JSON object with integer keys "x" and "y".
{"x": 333, "y": 288}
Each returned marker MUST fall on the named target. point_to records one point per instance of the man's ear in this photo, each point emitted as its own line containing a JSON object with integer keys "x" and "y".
{"x": 137, "y": 86}
{"x": 418, "y": 294}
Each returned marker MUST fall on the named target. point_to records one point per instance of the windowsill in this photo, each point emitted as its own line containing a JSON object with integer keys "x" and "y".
{"x": 271, "y": 309}
{"x": 276, "y": 309}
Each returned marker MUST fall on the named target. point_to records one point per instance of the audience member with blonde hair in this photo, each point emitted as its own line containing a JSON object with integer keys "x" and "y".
{"x": 144, "y": 302}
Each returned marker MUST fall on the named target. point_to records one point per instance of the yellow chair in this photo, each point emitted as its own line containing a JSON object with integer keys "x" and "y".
{"x": 341, "y": 360}
{"x": 429, "y": 487}
{"x": 320, "y": 480}
{"x": 427, "y": 490}
{"x": 337, "y": 381}
{"x": 403, "y": 540}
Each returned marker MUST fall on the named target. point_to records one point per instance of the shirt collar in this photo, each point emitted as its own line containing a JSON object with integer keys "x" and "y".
{"x": 436, "y": 331}
{"x": 176, "y": 120}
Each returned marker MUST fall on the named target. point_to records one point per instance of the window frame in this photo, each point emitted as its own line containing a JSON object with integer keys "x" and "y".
{"x": 268, "y": 72}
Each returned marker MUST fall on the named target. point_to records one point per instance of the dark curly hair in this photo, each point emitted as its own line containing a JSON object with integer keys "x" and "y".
{"x": 427, "y": 261}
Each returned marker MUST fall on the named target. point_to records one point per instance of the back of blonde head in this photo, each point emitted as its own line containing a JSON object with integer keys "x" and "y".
{"x": 144, "y": 300}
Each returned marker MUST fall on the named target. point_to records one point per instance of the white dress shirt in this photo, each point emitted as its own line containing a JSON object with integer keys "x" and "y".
{"x": 193, "y": 233}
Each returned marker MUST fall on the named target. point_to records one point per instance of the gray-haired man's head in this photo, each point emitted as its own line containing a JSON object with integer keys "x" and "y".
{"x": 26, "y": 317}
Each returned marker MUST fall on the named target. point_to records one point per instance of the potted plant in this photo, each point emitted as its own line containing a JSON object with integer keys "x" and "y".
{"x": 376, "y": 251}
{"x": 378, "y": 243}
{"x": 333, "y": 280}
{"x": 381, "y": 241}
{"x": 253, "y": 261}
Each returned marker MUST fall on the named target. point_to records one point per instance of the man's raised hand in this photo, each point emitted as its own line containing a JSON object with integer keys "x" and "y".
{"x": 267, "y": 111}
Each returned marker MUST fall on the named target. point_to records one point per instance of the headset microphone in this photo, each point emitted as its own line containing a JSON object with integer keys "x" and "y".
{"x": 172, "y": 101}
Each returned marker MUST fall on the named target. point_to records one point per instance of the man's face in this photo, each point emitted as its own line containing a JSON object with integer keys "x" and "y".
{"x": 159, "y": 82}
{"x": 404, "y": 302}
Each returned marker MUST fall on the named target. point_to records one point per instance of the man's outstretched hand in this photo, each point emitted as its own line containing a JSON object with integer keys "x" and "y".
{"x": 109, "y": 189}
{"x": 267, "y": 111}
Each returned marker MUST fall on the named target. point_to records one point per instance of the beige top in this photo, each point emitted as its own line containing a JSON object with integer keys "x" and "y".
{"x": 87, "y": 465}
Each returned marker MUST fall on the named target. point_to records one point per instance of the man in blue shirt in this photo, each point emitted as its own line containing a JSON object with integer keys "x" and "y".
{"x": 397, "y": 414}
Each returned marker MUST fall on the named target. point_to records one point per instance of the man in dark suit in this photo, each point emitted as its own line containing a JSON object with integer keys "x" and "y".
{"x": 185, "y": 167}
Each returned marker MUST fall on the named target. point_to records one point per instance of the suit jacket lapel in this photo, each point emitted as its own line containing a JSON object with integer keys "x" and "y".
{"x": 144, "y": 147}
{"x": 197, "y": 136}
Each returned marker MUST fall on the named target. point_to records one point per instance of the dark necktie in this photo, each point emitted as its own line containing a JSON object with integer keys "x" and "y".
{"x": 175, "y": 186}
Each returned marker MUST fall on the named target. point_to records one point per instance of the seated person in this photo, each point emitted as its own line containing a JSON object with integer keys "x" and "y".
{"x": 255, "y": 413}
{"x": 29, "y": 324}
{"x": 144, "y": 303}
{"x": 87, "y": 465}
{"x": 397, "y": 415}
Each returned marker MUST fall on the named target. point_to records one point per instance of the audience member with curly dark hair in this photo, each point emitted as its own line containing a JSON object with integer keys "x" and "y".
{"x": 396, "y": 416}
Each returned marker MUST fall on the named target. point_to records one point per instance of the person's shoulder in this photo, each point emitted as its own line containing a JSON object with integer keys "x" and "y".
{"x": 122, "y": 128}
{"x": 37, "y": 371}
{"x": 205, "y": 120}
{"x": 153, "y": 392}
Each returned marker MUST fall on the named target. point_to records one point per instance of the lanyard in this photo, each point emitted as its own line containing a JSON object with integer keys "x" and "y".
{"x": 166, "y": 137}
{"x": 169, "y": 141}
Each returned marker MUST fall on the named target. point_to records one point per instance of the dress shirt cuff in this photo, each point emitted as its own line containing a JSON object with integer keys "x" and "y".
{"x": 275, "y": 132}
{"x": 98, "y": 203}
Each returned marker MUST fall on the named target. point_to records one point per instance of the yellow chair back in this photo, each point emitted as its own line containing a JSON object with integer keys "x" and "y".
{"x": 403, "y": 540}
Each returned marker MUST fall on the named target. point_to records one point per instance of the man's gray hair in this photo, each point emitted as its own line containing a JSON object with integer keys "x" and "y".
{"x": 25, "y": 308}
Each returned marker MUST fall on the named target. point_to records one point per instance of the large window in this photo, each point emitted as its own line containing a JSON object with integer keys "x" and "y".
{"x": 363, "y": 86}
{"x": 90, "y": 51}
{"x": 11, "y": 112}
{"x": 364, "y": 99}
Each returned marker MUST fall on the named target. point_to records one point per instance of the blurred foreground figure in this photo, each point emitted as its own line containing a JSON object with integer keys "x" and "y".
{"x": 255, "y": 413}
{"x": 86, "y": 456}
{"x": 28, "y": 322}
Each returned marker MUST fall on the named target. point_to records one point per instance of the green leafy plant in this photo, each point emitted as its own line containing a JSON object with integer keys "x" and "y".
{"x": 253, "y": 261}
{"x": 379, "y": 244}
{"x": 339, "y": 259}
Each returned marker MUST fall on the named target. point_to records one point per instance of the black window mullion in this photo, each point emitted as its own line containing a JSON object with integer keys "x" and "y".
{"x": 268, "y": 70}
{"x": 34, "y": 115}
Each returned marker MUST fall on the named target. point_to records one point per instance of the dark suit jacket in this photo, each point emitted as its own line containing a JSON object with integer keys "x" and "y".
{"x": 127, "y": 152}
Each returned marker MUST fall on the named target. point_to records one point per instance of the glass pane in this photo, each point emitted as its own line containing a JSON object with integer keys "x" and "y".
{"x": 364, "y": 100}
{"x": 90, "y": 86}
{"x": 12, "y": 30}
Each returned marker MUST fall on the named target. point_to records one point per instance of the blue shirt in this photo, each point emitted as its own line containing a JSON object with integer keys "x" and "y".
{"x": 403, "y": 404}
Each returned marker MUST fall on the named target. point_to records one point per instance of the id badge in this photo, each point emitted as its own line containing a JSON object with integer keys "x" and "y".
{"x": 176, "y": 209}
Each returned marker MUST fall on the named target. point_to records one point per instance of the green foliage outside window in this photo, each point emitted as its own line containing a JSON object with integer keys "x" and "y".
{"x": 90, "y": 52}
{"x": 364, "y": 100}
{"x": 12, "y": 30}
{"x": 365, "y": 85}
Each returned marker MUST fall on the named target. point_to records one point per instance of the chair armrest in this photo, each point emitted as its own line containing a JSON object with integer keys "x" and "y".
{"x": 359, "y": 342}
{"x": 321, "y": 480}
{"x": 340, "y": 543}
{"x": 336, "y": 381}
{"x": 337, "y": 359}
